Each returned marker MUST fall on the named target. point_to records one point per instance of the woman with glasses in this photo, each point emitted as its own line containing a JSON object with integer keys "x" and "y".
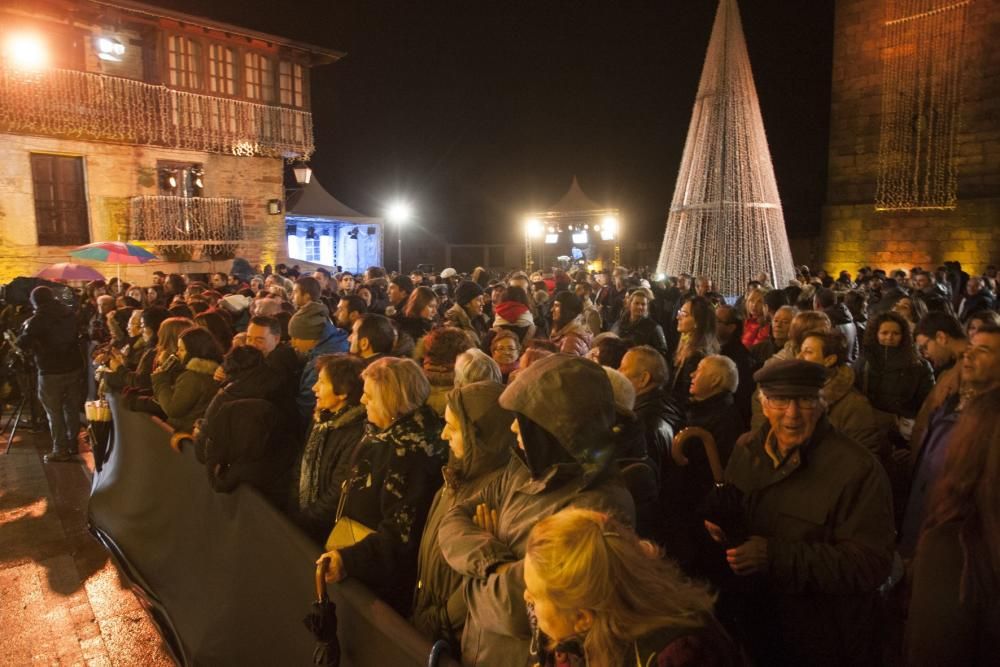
{"x": 696, "y": 325}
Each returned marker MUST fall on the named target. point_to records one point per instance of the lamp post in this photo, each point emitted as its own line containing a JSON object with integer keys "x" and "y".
{"x": 399, "y": 213}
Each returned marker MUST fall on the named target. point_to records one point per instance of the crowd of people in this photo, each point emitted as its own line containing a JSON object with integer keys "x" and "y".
{"x": 600, "y": 468}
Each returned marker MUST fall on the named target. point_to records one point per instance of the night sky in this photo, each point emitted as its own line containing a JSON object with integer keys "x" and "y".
{"x": 479, "y": 112}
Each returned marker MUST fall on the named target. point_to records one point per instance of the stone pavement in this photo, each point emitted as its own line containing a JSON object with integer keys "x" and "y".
{"x": 62, "y": 600}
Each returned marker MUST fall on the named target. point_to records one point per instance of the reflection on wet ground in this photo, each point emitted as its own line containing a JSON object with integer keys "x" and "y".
{"x": 62, "y": 600}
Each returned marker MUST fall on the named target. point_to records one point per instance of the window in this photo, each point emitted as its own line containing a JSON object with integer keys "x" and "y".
{"x": 184, "y": 62}
{"x": 221, "y": 70}
{"x": 290, "y": 82}
{"x": 60, "y": 200}
{"x": 181, "y": 179}
{"x": 259, "y": 77}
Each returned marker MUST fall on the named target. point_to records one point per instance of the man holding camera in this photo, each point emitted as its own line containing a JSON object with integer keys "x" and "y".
{"x": 51, "y": 335}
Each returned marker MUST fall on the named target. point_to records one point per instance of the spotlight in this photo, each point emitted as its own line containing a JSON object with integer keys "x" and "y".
{"x": 533, "y": 228}
{"x": 551, "y": 238}
{"x": 27, "y": 51}
{"x": 610, "y": 223}
{"x": 110, "y": 49}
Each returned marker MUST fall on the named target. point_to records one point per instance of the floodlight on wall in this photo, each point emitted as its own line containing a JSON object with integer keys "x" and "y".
{"x": 26, "y": 51}
{"x": 109, "y": 48}
{"x": 303, "y": 173}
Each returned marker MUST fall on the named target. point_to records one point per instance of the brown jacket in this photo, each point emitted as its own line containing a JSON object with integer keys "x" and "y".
{"x": 827, "y": 516}
{"x": 948, "y": 383}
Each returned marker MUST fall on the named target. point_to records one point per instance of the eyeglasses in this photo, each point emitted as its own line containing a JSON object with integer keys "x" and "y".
{"x": 782, "y": 403}
{"x": 683, "y": 313}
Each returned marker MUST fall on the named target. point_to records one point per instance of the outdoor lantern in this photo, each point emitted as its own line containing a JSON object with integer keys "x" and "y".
{"x": 303, "y": 173}
{"x": 26, "y": 51}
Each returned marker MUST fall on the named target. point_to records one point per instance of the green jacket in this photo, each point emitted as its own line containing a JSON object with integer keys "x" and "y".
{"x": 827, "y": 516}
{"x": 186, "y": 399}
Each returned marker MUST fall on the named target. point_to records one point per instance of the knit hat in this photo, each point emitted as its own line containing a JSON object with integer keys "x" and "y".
{"x": 466, "y": 292}
{"x": 309, "y": 321}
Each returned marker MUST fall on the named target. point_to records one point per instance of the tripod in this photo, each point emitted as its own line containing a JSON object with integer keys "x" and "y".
{"x": 27, "y": 383}
{"x": 15, "y": 419}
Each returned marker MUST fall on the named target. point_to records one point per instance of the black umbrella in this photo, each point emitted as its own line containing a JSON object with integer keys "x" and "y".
{"x": 724, "y": 504}
{"x": 322, "y": 622}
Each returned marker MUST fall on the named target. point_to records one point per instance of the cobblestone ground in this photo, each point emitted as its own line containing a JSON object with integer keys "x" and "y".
{"x": 62, "y": 600}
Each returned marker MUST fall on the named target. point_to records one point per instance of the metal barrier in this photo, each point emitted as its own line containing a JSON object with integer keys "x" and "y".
{"x": 226, "y": 576}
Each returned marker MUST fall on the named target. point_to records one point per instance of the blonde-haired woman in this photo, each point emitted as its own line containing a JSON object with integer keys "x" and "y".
{"x": 393, "y": 479}
{"x": 604, "y": 597}
{"x": 756, "y": 326}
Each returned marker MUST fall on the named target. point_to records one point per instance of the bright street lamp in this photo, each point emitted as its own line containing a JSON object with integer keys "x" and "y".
{"x": 399, "y": 212}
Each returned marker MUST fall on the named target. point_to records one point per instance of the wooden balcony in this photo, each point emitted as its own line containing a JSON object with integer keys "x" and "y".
{"x": 97, "y": 107}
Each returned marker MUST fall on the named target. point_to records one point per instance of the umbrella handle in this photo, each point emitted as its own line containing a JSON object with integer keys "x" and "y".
{"x": 321, "y": 567}
{"x": 711, "y": 450}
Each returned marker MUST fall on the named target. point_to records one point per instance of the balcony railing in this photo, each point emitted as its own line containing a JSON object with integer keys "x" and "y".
{"x": 69, "y": 103}
{"x": 180, "y": 226}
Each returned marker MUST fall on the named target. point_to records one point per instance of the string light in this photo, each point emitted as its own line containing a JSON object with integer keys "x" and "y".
{"x": 216, "y": 222}
{"x": 725, "y": 219}
{"x": 69, "y": 103}
{"x": 921, "y": 100}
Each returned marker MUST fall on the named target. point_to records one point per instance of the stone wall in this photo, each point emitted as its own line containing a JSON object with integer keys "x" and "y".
{"x": 115, "y": 172}
{"x": 854, "y": 233}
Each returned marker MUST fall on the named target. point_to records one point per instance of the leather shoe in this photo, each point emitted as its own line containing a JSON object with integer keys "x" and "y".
{"x": 60, "y": 457}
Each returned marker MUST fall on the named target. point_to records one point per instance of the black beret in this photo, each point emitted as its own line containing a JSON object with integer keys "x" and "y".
{"x": 467, "y": 291}
{"x": 792, "y": 377}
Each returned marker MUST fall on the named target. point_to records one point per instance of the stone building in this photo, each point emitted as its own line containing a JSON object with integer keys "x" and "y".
{"x": 124, "y": 121}
{"x": 914, "y": 163}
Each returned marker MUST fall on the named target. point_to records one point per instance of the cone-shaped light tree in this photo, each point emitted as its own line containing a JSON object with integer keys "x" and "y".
{"x": 725, "y": 219}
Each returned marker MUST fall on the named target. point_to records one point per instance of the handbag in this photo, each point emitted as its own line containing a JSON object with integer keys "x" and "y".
{"x": 346, "y": 531}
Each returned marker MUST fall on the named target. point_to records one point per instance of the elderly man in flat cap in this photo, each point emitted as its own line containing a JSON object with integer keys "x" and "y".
{"x": 820, "y": 518}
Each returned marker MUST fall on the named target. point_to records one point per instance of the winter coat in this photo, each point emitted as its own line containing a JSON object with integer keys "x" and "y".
{"x": 390, "y": 489}
{"x": 842, "y": 321}
{"x": 826, "y": 513}
{"x": 185, "y": 399}
{"x": 680, "y": 383}
{"x": 941, "y": 628}
{"x": 661, "y": 419}
{"x": 706, "y": 645}
{"x": 933, "y": 451}
{"x": 51, "y": 335}
{"x": 323, "y": 466}
{"x": 895, "y": 380}
{"x": 745, "y": 368}
{"x": 763, "y": 351}
{"x": 573, "y": 337}
{"x": 755, "y": 332}
{"x": 567, "y": 461}
{"x": 640, "y": 474}
{"x": 948, "y": 383}
{"x": 458, "y": 317}
{"x": 439, "y": 608}
{"x": 972, "y": 304}
{"x": 592, "y": 317}
{"x": 644, "y": 332}
{"x": 331, "y": 341}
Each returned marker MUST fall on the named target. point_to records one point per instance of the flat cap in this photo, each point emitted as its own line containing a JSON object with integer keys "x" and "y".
{"x": 790, "y": 378}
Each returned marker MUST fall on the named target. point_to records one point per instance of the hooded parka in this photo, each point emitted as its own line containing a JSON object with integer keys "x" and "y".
{"x": 565, "y": 411}
{"x": 439, "y": 602}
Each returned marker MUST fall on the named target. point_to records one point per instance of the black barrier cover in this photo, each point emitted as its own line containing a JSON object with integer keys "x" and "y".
{"x": 228, "y": 577}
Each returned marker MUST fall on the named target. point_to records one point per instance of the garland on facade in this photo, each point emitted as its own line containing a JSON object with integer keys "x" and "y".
{"x": 85, "y": 105}
{"x": 182, "y": 225}
{"x": 921, "y": 104}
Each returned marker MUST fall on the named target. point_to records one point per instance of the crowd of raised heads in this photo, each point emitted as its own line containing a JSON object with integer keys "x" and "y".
{"x": 603, "y": 468}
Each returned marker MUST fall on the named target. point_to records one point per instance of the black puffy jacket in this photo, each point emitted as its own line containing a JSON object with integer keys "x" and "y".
{"x": 894, "y": 380}
{"x": 51, "y": 334}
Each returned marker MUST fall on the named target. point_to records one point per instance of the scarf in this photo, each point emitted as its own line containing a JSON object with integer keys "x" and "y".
{"x": 309, "y": 477}
{"x": 510, "y": 311}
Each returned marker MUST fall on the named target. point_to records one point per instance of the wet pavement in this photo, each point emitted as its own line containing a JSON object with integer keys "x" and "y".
{"x": 62, "y": 600}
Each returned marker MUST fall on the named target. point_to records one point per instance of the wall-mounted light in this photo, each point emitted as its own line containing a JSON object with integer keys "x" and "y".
{"x": 273, "y": 206}
{"x": 109, "y": 48}
{"x": 26, "y": 51}
{"x": 303, "y": 173}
